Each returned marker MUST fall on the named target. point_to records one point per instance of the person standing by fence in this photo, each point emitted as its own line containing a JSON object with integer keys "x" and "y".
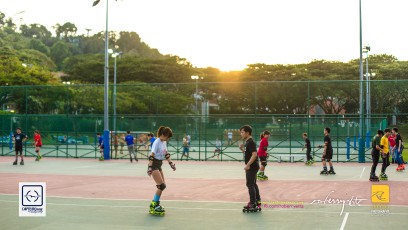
{"x": 130, "y": 141}
{"x": 308, "y": 146}
{"x": 19, "y": 138}
{"x": 186, "y": 148}
{"x": 100, "y": 145}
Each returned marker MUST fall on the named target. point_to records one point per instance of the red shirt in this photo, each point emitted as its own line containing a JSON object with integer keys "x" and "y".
{"x": 262, "y": 146}
{"x": 37, "y": 140}
{"x": 391, "y": 140}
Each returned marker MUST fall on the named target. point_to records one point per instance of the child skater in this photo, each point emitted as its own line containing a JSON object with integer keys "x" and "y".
{"x": 37, "y": 144}
{"x": 251, "y": 168}
{"x": 159, "y": 153}
{"x": 327, "y": 153}
{"x": 263, "y": 155}
{"x": 308, "y": 147}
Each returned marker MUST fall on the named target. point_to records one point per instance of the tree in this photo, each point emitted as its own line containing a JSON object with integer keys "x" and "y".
{"x": 59, "y": 51}
{"x": 65, "y": 31}
{"x": 39, "y": 46}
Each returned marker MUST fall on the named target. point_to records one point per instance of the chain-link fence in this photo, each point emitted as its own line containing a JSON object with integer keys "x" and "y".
{"x": 69, "y": 117}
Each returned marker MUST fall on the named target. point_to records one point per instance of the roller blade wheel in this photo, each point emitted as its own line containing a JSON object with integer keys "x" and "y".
{"x": 246, "y": 210}
{"x": 331, "y": 172}
{"x": 325, "y": 173}
{"x": 156, "y": 213}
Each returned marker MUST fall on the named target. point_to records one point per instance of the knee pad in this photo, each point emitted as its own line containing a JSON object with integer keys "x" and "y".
{"x": 36, "y": 151}
{"x": 264, "y": 163}
{"x": 161, "y": 186}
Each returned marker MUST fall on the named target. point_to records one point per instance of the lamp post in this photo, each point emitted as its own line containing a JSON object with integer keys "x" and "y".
{"x": 196, "y": 102}
{"x": 106, "y": 148}
{"x": 196, "y": 92}
{"x": 366, "y": 49}
{"x": 114, "y": 55}
{"x": 361, "y": 151}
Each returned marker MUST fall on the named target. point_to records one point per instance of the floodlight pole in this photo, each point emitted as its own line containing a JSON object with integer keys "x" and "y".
{"x": 106, "y": 148}
{"x": 361, "y": 151}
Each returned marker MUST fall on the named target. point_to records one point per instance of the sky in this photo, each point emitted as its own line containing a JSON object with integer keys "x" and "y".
{"x": 229, "y": 34}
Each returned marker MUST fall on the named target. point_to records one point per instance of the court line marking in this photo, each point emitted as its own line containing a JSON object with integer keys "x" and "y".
{"x": 195, "y": 201}
{"x": 343, "y": 224}
{"x": 206, "y": 209}
{"x": 361, "y": 175}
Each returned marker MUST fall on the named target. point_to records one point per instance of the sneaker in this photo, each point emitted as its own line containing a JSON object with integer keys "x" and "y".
{"x": 15, "y": 162}
{"x": 131, "y": 160}
{"x": 136, "y": 159}
{"x": 22, "y": 162}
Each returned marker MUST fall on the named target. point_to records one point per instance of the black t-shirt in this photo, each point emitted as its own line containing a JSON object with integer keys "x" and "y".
{"x": 18, "y": 138}
{"x": 250, "y": 147}
{"x": 376, "y": 141}
{"x": 308, "y": 146}
{"x": 329, "y": 143}
{"x": 397, "y": 139}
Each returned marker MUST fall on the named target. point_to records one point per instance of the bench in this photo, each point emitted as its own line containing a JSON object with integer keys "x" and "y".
{"x": 291, "y": 157}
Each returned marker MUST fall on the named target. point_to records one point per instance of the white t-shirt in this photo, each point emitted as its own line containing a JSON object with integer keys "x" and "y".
{"x": 229, "y": 135}
{"x": 159, "y": 149}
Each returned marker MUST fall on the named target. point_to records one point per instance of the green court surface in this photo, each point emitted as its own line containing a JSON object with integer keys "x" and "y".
{"x": 189, "y": 206}
{"x": 68, "y": 213}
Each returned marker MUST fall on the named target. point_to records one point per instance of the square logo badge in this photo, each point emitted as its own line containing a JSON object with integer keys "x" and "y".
{"x": 32, "y": 199}
{"x": 380, "y": 193}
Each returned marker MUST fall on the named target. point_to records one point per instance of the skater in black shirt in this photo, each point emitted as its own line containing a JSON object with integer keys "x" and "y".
{"x": 327, "y": 153}
{"x": 251, "y": 169}
{"x": 375, "y": 153}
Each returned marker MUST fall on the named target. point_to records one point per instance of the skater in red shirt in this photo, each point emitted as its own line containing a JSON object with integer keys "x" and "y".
{"x": 37, "y": 144}
{"x": 263, "y": 154}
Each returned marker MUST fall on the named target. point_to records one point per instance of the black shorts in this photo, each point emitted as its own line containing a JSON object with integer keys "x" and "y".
{"x": 328, "y": 156}
{"x": 262, "y": 158}
{"x": 18, "y": 148}
{"x": 157, "y": 164}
